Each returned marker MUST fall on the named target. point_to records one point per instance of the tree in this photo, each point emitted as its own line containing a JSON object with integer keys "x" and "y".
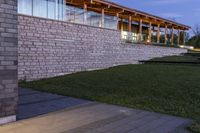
{"x": 196, "y": 30}
{"x": 195, "y": 40}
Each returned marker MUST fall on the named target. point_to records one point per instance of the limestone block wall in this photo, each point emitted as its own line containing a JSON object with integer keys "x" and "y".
{"x": 8, "y": 60}
{"x": 49, "y": 48}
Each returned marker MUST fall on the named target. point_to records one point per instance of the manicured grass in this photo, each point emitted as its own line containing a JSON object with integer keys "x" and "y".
{"x": 189, "y": 57}
{"x": 193, "y": 57}
{"x": 180, "y": 58}
{"x": 171, "y": 89}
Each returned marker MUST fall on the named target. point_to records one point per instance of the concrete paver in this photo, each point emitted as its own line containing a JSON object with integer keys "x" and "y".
{"x": 82, "y": 116}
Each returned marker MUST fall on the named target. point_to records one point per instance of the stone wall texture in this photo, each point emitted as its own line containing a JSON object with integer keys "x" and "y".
{"x": 8, "y": 58}
{"x": 49, "y": 48}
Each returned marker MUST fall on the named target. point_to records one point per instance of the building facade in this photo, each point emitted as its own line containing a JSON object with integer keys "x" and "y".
{"x": 49, "y": 38}
{"x": 135, "y": 26}
{"x": 57, "y": 37}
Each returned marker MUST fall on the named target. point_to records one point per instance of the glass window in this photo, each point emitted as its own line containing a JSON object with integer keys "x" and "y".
{"x": 74, "y": 14}
{"x": 40, "y": 8}
{"x": 94, "y": 19}
{"x": 110, "y": 22}
{"x": 79, "y": 15}
{"x": 57, "y": 9}
{"x": 25, "y": 7}
{"x": 135, "y": 28}
{"x": 70, "y": 13}
{"x": 51, "y": 5}
{"x": 125, "y": 26}
{"x": 60, "y": 12}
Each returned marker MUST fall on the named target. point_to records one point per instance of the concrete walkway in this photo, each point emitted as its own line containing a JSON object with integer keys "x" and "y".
{"x": 33, "y": 103}
{"x": 93, "y": 117}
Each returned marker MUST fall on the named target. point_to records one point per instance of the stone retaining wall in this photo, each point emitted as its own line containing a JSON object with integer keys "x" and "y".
{"x": 49, "y": 48}
{"x": 8, "y": 60}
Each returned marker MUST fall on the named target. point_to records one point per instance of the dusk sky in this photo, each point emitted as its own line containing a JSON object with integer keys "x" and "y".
{"x": 183, "y": 11}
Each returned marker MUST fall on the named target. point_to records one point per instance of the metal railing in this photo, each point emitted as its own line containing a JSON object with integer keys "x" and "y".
{"x": 131, "y": 37}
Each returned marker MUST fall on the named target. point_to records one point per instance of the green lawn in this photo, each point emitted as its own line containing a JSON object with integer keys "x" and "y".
{"x": 180, "y": 58}
{"x": 167, "y": 89}
{"x": 191, "y": 56}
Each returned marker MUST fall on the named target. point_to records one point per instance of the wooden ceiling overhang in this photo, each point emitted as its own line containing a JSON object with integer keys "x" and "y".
{"x": 114, "y": 9}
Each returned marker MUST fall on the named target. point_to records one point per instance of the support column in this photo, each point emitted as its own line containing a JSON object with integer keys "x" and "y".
{"x": 178, "y": 39}
{"x": 158, "y": 34}
{"x": 184, "y": 37}
{"x": 130, "y": 24}
{"x": 118, "y": 27}
{"x": 166, "y": 32}
{"x": 172, "y": 36}
{"x": 8, "y": 61}
{"x": 85, "y": 13}
{"x": 102, "y": 17}
{"x": 140, "y": 30}
{"x": 150, "y": 31}
{"x": 122, "y": 25}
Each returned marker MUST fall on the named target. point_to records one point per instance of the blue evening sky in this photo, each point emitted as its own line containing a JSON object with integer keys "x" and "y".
{"x": 183, "y": 11}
